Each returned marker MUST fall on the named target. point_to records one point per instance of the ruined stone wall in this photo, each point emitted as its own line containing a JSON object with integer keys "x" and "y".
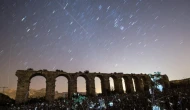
{"x": 142, "y": 82}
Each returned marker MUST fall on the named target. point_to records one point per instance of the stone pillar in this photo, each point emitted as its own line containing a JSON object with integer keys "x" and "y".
{"x": 147, "y": 83}
{"x": 22, "y": 92}
{"x": 90, "y": 87}
{"x": 105, "y": 85}
{"x": 139, "y": 85}
{"x": 50, "y": 88}
{"x": 129, "y": 84}
{"x": 118, "y": 85}
{"x": 72, "y": 86}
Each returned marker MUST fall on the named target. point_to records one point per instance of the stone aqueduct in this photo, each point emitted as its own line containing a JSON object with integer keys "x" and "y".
{"x": 142, "y": 82}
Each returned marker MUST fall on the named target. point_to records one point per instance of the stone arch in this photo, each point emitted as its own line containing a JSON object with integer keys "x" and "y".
{"x": 60, "y": 83}
{"x": 35, "y": 75}
{"x": 123, "y": 84}
{"x": 117, "y": 80}
{"x": 134, "y": 84}
{"x": 82, "y": 75}
{"x": 112, "y": 83}
{"x": 81, "y": 81}
{"x": 37, "y": 84}
{"x": 64, "y": 75}
{"x": 99, "y": 78}
{"x": 128, "y": 84}
{"x": 105, "y": 84}
{"x": 138, "y": 84}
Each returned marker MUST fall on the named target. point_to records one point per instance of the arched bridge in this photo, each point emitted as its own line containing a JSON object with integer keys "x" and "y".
{"x": 142, "y": 82}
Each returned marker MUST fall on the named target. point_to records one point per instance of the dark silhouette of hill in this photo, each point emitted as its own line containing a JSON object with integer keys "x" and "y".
{"x": 4, "y": 100}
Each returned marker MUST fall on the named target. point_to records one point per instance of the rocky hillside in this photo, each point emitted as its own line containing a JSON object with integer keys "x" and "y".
{"x": 33, "y": 93}
{"x": 37, "y": 93}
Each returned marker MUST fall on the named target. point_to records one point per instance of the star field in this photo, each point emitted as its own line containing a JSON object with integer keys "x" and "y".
{"x": 129, "y": 36}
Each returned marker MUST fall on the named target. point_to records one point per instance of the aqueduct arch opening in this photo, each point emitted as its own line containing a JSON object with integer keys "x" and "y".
{"x": 112, "y": 86}
{"x": 61, "y": 87}
{"x": 37, "y": 83}
{"x": 142, "y": 82}
{"x": 81, "y": 85}
{"x": 123, "y": 84}
{"x": 98, "y": 85}
{"x": 134, "y": 85}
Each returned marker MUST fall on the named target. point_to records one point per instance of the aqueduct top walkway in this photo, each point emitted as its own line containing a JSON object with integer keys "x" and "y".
{"x": 142, "y": 82}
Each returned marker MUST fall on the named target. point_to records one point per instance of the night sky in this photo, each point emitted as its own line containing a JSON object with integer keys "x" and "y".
{"x": 129, "y": 36}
